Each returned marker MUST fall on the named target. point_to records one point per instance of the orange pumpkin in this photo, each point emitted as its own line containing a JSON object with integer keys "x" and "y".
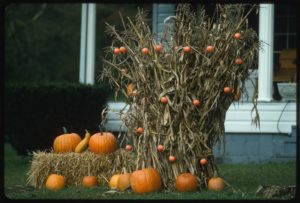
{"x": 186, "y": 182}
{"x": 66, "y": 142}
{"x": 89, "y": 181}
{"x": 123, "y": 181}
{"x": 186, "y": 49}
{"x": 228, "y": 90}
{"x": 216, "y": 183}
{"x": 238, "y": 61}
{"x": 55, "y": 182}
{"x": 145, "y": 180}
{"x": 113, "y": 182}
{"x": 103, "y": 143}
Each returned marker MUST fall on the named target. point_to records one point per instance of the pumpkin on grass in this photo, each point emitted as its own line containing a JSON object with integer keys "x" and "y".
{"x": 113, "y": 182}
{"x": 55, "y": 182}
{"x": 186, "y": 182}
{"x": 103, "y": 143}
{"x": 120, "y": 181}
{"x": 89, "y": 181}
{"x": 123, "y": 181}
{"x": 216, "y": 184}
{"x": 145, "y": 180}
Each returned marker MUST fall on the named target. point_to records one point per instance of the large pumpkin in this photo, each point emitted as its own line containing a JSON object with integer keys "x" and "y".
{"x": 145, "y": 180}
{"x": 66, "y": 142}
{"x": 216, "y": 183}
{"x": 103, "y": 143}
{"x": 55, "y": 182}
{"x": 186, "y": 182}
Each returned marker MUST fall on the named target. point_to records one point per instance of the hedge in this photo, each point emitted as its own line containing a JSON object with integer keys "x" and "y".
{"x": 36, "y": 113}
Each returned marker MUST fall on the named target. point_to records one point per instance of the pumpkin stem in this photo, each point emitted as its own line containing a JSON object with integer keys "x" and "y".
{"x": 86, "y": 131}
{"x": 64, "y": 129}
{"x": 100, "y": 128}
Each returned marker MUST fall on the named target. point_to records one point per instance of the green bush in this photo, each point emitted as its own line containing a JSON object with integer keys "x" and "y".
{"x": 35, "y": 113}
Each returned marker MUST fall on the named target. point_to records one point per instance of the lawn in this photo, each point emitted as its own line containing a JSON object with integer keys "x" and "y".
{"x": 244, "y": 179}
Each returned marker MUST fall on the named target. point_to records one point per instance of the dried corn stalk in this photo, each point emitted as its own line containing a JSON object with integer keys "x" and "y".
{"x": 187, "y": 132}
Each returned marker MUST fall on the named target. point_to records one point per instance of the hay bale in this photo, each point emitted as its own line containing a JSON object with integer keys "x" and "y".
{"x": 76, "y": 165}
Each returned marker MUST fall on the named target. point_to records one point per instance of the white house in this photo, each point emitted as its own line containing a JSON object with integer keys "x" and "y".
{"x": 275, "y": 140}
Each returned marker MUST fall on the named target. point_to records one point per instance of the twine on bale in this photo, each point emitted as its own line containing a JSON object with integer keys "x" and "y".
{"x": 186, "y": 131}
{"x": 73, "y": 166}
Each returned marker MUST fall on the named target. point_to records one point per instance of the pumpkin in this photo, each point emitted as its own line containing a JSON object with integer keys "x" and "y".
{"x": 186, "y": 182}
{"x": 140, "y": 130}
{"x": 186, "y": 49}
{"x": 145, "y": 51}
{"x": 145, "y": 180}
{"x": 55, "y": 182}
{"x": 122, "y": 50}
{"x": 113, "y": 182}
{"x": 210, "y": 49}
{"x": 89, "y": 181}
{"x": 66, "y": 142}
{"x": 203, "y": 161}
{"x": 238, "y": 61}
{"x": 216, "y": 183}
{"x": 123, "y": 181}
{"x": 196, "y": 102}
{"x": 103, "y": 143}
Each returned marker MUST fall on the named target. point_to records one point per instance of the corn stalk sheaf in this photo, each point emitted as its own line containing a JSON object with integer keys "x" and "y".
{"x": 186, "y": 131}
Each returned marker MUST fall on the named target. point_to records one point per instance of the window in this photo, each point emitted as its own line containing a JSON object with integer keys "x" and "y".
{"x": 284, "y": 52}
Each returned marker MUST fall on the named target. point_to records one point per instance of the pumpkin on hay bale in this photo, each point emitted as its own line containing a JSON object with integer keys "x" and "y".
{"x": 180, "y": 84}
{"x": 75, "y": 166}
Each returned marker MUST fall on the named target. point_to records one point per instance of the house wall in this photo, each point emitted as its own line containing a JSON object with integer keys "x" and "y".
{"x": 244, "y": 142}
{"x": 257, "y": 148}
{"x": 275, "y": 140}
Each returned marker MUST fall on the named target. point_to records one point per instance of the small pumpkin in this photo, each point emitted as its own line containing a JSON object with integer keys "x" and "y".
{"x": 145, "y": 181}
{"x": 216, "y": 183}
{"x": 186, "y": 182}
{"x": 103, "y": 143}
{"x": 89, "y": 181}
{"x": 55, "y": 182}
{"x": 123, "y": 181}
{"x": 66, "y": 142}
{"x": 113, "y": 182}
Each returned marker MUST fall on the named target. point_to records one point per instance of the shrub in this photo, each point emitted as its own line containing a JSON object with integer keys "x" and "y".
{"x": 35, "y": 113}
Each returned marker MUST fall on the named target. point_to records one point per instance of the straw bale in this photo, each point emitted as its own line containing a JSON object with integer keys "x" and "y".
{"x": 74, "y": 166}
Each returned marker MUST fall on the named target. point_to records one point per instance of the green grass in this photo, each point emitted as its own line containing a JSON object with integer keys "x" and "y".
{"x": 244, "y": 178}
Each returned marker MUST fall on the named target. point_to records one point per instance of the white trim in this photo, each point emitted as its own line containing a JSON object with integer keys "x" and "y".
{"x": 87, "y": 44}
{"x": 265, "y": 60}
{"x": 83, "y": 43}
{"x": 90, "y": 58}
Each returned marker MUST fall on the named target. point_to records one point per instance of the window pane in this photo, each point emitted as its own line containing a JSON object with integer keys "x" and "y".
{"x": 280, "y": 24}
{"x": 292, "y": 24}
{"x": 292, "y": 42}
{"x": 279, "y": 42}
